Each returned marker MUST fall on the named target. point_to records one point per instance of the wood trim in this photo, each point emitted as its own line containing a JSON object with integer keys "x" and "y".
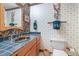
{"x": 25, "y": 13}
{"x": 19, "y": 4}
{"x": 35, "y": 4}
{"x": 12, "y": 8}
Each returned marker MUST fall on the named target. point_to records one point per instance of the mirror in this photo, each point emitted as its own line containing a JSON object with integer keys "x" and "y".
{"x": 17, "y": 15}
{"x": 13, "y": 15}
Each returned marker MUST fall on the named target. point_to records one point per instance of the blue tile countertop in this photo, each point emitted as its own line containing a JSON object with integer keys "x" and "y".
{"x": 7, "y": 47}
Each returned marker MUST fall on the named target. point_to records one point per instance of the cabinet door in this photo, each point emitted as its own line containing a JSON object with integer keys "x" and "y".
{"x": 1, "y": 16}
{"x": 32, "y": 52}
{"x": 35, "y": 50}
{"x": 38, "y": 45}
{"x": 25, "y": 49}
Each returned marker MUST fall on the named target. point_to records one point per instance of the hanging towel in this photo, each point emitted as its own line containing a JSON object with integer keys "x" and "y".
{"x": 56, "y": 25}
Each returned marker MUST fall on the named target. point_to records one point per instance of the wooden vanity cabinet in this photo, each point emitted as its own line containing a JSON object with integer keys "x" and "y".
{"x": 30, "y": 49}
{"x": 35, "y": 48}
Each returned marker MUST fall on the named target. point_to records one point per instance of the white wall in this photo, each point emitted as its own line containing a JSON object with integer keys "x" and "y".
{"x": 69, "y": 31}
{"x": 43, "y": 13}
{"x": 17, "y": 17}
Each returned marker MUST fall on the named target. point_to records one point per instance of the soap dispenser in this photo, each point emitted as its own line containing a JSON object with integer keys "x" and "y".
{"x": 35, "y": 25}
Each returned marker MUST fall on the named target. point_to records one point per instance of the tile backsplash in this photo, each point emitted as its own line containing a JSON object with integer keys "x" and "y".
{"x": 70, "y": 30}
